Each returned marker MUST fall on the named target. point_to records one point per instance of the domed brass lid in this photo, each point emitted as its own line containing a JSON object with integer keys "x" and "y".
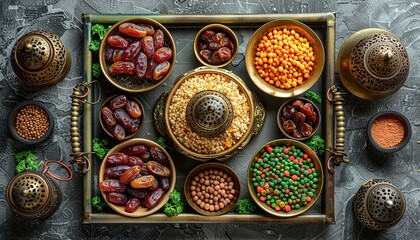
{"x": 385, "y": 203}
{"x": 209, "y": 113}
{"x": 40, "y": 58}
{"x": 373, "y": 64}
{"x": 28, "y": 193}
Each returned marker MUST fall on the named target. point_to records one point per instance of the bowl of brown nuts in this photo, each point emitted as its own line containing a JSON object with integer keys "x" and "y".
{"x": 121, "y": 116}
{"x": 215, "y": 45}
{"x": 137, "y": 54}
{"x": 30, "y": 122}
{"x": 212, "y": 189}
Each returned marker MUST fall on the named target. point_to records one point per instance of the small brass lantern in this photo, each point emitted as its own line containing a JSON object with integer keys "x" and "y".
{"x": 373, "y": 64}
{"x": 33, "y": 195}
{"x": 40, "y": 58}
{"x": 379, "y": 204}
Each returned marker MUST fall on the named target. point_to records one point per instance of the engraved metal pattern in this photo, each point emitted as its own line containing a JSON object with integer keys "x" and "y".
{"x": 158, "y": 114}
{"x": 40, "y": 58}
{"x": 379, "y": 62}
{"x": 33, "y": 195}
{"x": 259, "y": 114}
{"x": 209, "y": 113}
{"x": 368, "y": 200}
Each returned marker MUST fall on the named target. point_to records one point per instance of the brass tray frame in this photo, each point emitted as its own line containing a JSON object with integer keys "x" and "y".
{"x": 323, "y": 21}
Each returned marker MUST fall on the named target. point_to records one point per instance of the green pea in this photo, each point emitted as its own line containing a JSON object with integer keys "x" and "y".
{"x": 258, "y": 178}
{"x": 315, "y": 180}
{"x": 311, "y": 165}
{"x": 315, "y": 174}
{"x": 297, "y": 206}
{"x": 256, "y": 184}
{"x": 310, "y": 194}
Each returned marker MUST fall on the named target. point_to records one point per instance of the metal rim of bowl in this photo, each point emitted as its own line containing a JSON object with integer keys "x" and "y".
{"x": 104, "y": 44}
{"x": 141, "y": 211}
{"x": 304, "y": 31}
{"x": 399, "y": 116}
{"x": 279, "y": 113}
{"x": 220, "y": 27}
{"x": 206, "y": 166}
{"x": 230, "y": 75}
{"x": 317, "y": 165}
{"x": 103, "y": 125}
{"x": 12, "y": 122}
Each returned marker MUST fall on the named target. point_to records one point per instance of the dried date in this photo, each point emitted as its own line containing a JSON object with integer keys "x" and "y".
{"x": 121, "y": 67}
{"x": 133, "y": 109}
{"x": 162, "y": 54}
{"x": 158, "y": 39}
{"x": 135, "y": 161}
{"x": 119, "y": 132}
{"x": 214, "y": 46}
{"x": 111, "y": 185}
{"x": 157, "y": 155}
{"x": 151, "y": 66}
{"x": 117, "y": 41}
{"x": 131, "y": 51}
{"x": 288, "y": 112}
{"x": 135, "y": 124}
{"x": 165, "y": 183}
{"x": 141, "y": 65}
{"x": 149, "y": 28}
{"x": 148, "y": 46}
{"x": 138, "y": 193}
{"x": 225, "y": 54}
{"x": 116, "y": 171}
{"x": 306, "y": 130}
{"x": 143, "y": 182}
{"x": 130, "y": 174}
{"x": 118, "y": 102}
{"x": 135, "y": 150}
{"x": 108, "y": 116}
{"x": 109, "y": 53}
{"x": 299, "y": 118}
{"x": 161, "y": 70}
{"x": 117, "y": 198}
{"x": 158, "y": 169}
{"x": 154, "y": 198}
{"x": 117, "y": 158}
{"x": 208, "y": 36}
{"x": 117, "y": 55}
{"x": 289, "y": 126}
{"x": 145, "y": 156}
{"x": 218, "y": 36}
{"x": 206, "y": 55}
{"x": 132, "y": 30}
{"x": 132, "y": 205}
{"x": 215, "y": 58}
{"x": 122, "y": 118}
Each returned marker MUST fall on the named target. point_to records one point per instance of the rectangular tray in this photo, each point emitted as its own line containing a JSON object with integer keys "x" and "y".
{"x": 183, "y": 29}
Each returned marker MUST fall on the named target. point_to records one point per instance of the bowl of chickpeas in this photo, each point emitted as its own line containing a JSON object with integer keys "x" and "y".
{"x": 212, "y": 189}
{"x": 284, "y": 58}
{"x": 30, "y": 122}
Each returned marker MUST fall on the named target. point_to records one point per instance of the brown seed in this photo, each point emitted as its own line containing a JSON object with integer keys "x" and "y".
{"x": 211, "y": 208}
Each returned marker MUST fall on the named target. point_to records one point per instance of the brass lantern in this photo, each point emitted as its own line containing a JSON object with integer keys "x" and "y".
{"x": 373, "y": 64}
{"x": 40, "y": 58}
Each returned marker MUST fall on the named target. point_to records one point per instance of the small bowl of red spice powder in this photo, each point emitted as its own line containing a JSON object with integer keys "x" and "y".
{"x": 389, "y": 131}
{"x": 30, "y": 122}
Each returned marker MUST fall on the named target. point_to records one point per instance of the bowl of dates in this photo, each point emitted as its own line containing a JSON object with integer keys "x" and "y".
{"x": 215, "y": 45}
{"x": 284, "y": 58}
{"x": 298, "y": 118}
{"x": 285, "y": 177}
{"x": 121, "y": 116}
{"x": 136, "y": 177}
{"x": 137, "y": 54}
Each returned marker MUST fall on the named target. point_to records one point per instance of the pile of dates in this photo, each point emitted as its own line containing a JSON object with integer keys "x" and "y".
{"x": 299, "y": 118}
{"x": 216, "y": 47}
{"x": 138, "y": 50}
{"x": 121, "y": 116}
{"x": 137, "y": 176}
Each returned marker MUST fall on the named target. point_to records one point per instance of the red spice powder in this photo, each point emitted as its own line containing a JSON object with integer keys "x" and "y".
{"x": 387, "y": 131}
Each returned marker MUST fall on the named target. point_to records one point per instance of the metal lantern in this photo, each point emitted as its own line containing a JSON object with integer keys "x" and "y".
{"x": 379, "y": 204}
{"x": 40, "y": 58}
{"x": 33, "y": 195}
{"x": 373, "y": 64}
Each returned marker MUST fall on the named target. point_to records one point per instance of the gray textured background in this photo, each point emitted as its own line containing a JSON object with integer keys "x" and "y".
{"x": 63, "y": 17}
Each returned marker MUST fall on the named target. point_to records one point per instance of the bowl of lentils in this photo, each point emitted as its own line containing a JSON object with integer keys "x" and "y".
{"x": 212, "y": 189}
{"x": 30, "y": 122}
{"x": 285, "y": 177}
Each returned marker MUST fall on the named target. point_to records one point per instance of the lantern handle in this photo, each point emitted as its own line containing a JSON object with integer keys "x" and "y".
{"x": 46, "y": 170}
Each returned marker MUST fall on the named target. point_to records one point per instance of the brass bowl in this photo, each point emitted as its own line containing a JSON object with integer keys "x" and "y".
{"x": 133, "y": 83}
{"x": 12, "y": 122}
{"x": 396, "y": 115}
{"x": 303, "y": 31}
{"x": 315, "y": 127}
{"x": 141, "y": 211}
{"x": 104, "y": 126}
{"x": 207, "y": 166}
{"x": 256, "y": 114}
{"x": 317, "y": 166}
{"x": 217, "y": 28}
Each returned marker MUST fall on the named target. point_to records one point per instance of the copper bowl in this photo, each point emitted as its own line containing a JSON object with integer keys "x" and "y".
{"x": 405, "y": 124}
{"x": 314, "y": 127}
{"x": 317, "y": 165}
{"x": 133, "y": 83}
{"x": 303, "y": 31}
{"x": 141, "y": 211}
{"x": 104, "y": 126}
{"x": 216, "y": 166}
{"x": 217, "y": 28}
{"x": 12, "y": 122}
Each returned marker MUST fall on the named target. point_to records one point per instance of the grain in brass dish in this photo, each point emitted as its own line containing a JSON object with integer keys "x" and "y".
{"x": 30, "y": 122}
{"x": 148, "y": 152}
{"x": 298, "y": 118}
{"x": 280, "y": 62}
{"x": 213, "y": 45}
{"x": 130, "y": 79}
{"x": 287, "y": 183}
{"x": 130, "y": 117}
{"x": 389, "y": 131}
{"x": 212, "y": 189}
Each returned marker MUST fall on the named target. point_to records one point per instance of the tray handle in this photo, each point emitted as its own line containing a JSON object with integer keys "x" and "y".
{"x": 338, "y": 152}
{"x": 80, "y": 93}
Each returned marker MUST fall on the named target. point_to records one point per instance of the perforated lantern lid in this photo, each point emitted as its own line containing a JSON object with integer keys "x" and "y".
{"x": 31, "y": 195}
{"x": 373, "y": 64}
{"x": 209, "y": 113}
{"x": 40, "y": 58}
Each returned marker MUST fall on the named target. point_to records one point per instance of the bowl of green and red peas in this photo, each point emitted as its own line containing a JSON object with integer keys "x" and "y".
{"x": 285, "y": 177}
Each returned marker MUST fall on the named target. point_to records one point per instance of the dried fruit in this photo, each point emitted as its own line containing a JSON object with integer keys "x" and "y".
{"x": 132, "y": 30}
{"x": 111, "y": 185}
